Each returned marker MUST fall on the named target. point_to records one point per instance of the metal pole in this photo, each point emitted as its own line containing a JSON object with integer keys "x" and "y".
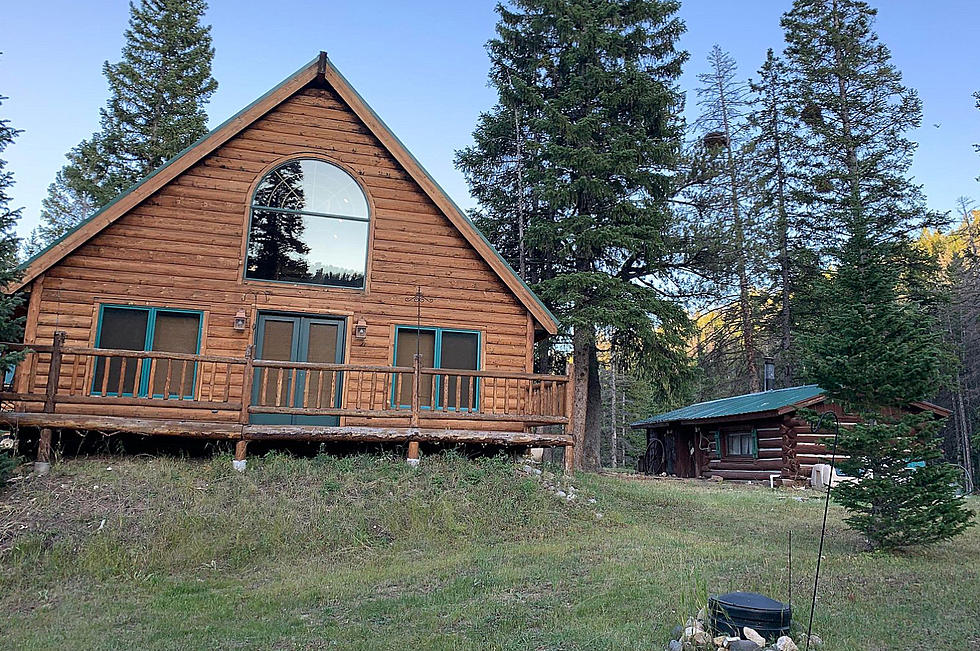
{"x": 826, "y": 507}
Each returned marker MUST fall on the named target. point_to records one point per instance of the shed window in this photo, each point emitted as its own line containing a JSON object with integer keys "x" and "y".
{"x": 442, "y": 349}
{"x": 309, "y": 224}
{"x": 146, "y": 328}
{"x": 740, "y": 444}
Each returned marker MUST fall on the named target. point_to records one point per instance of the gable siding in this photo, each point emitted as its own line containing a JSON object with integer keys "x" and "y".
{"x": 183, "y": 246}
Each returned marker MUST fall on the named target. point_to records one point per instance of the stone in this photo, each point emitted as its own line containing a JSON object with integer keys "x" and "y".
{"x": 815, "y": 640}
{"x": 743, "y": 645}
{"x": 674, "y": 645}
{"x": 753, "y": 635}
{"x": 677, "y": 632}
{"x": 701, "y": 638}
{"x": 720, "y": 640}
{"x": 786, "y": 643}
{"x": 716, "y": 478}
{"x": 702, "y": 615}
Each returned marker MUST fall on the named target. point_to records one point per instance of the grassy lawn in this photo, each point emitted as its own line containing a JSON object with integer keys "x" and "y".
{"x": 363, "y": 552}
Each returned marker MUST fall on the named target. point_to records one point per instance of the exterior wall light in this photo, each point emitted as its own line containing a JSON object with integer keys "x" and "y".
{"x": 241, "y": 320}
{"x": 360, "y": 330}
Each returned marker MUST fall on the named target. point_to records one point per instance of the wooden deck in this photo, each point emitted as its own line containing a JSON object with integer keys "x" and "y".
{"x": 215, "y": 397}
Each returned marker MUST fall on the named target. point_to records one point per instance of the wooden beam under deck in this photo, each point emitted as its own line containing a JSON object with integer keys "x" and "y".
{"x": 236, "y": 431}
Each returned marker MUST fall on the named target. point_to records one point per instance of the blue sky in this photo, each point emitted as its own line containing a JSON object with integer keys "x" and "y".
{"x": 422, "y": 65}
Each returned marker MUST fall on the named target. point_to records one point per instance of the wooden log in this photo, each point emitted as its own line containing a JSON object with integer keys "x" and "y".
{"x": 54, "y": 371}
{"x": 44, "y": 446}
{"x": 247, "y": 384}
{"x": 402, "y": 434}
{"x": 162, "y": 427}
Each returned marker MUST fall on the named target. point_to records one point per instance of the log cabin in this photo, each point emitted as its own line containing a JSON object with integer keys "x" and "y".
{"x": 748, "y": 437}
{"x": 293, "y": 275}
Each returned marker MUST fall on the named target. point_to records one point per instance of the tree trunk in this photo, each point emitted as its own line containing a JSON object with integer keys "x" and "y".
{"x": 593, "y": 415}
{"x": 581, "y": 343}
{"x": 613, "y": 442}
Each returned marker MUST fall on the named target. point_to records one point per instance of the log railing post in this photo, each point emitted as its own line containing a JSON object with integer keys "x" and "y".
{"x": 413, "y": 444}
{"x": 54, "y": 371}
{"x": 249, "y": 372}
{"x": 570, "y": 414}
{"x": 416, "y": 389}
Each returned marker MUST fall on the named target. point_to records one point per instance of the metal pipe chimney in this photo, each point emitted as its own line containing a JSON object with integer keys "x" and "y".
{"x": 769, "y": 374}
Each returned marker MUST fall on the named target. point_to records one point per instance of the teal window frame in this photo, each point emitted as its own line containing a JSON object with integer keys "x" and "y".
{"x": 144, "y": 380}
{"x": 437, "y": 364}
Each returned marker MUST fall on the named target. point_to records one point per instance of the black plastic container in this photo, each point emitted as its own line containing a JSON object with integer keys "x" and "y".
{"x": 730, "y": 612}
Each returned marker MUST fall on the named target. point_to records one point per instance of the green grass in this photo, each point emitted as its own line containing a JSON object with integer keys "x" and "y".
{"x": 364, "y": 552}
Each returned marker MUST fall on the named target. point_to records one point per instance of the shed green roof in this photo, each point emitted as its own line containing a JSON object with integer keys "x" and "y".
{"x": 749, "y": 403}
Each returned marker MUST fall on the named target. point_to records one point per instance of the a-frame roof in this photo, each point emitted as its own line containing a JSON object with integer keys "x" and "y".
{"x": 319, "y": 69}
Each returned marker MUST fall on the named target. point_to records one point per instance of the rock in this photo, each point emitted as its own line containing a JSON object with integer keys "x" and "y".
{"x": 743, "y": 645}
{"x": 528, "y": 469}
{"x": 786, "y": 643}
{"x": 701, "y": 638}
{"x": 677, "y": 633}
{"x": 702, "y": 615}
{"x": 674, "y": 645}
{"x": 560, "y": 493}
{"x": 689, "y": 632}
{"x": 815, "y": 640}
{"x": 716, "y": 478}
{"x": 720, "y": 640}
{"x": 753, "y": 635}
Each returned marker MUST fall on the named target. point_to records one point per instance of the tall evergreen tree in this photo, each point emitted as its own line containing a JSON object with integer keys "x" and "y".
{"x": 723, "y": 131}
{"x": 872, "y": 345}
{"x": 156, "y": 108}
{"x": 774, "y": 151}
{"x": 588, "y": 89}
{"x": 62, "y": 209}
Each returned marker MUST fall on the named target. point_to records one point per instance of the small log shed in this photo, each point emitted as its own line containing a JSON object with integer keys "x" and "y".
{"x": 748, "y": 437}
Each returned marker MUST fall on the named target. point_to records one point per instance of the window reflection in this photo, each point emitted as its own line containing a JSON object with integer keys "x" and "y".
{"x": 309, "y": 225}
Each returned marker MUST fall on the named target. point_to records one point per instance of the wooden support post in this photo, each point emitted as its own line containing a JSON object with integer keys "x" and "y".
{"x": 239, "y": 462}
{"x": 249, "y": 372}
{"x": 413, "y": 453}
{"x": 43, "y": 463}
{"x": 570, "y": 414}
{"x": 416, "y": 388}
{"x": 413, "y": 445}
{"x": 54, "y": 371}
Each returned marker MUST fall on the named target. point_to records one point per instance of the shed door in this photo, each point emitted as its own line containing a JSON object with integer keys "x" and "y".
{"x": 294, "y": 338}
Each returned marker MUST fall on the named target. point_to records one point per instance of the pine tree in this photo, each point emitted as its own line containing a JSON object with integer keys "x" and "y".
{"x": 588, "y": 89}
{"x": 156, "y": 108}
{"x": 62, "y": 209}
{"x": 10, "y": 325}
{"x": 724, "y": 132}
{"x": 774, "y": 150}
{"x": 873, "y": 344}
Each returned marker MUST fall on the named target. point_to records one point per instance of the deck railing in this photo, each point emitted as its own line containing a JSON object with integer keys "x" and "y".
{"x": 56, "y": 374}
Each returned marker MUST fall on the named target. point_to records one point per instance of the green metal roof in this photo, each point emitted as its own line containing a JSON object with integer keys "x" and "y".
{"x": 749, "y": 403}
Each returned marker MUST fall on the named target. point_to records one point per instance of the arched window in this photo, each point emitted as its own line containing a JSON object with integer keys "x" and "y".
{"x": 309, "y": 224}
